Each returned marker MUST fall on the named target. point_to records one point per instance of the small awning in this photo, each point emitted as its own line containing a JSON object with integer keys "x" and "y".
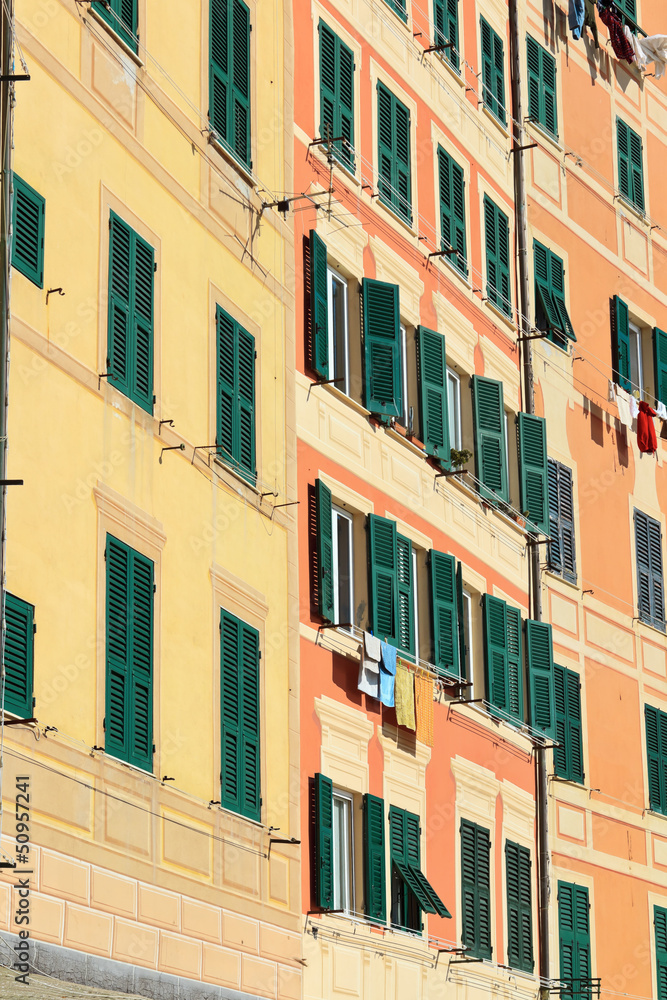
{"x": 426, "y": 895}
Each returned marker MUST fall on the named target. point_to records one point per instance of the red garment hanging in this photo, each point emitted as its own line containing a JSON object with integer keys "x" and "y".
{"x": 646, "y": 437}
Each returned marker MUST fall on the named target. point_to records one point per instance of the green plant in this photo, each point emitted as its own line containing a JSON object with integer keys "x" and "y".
{"x": 459, "y": 458}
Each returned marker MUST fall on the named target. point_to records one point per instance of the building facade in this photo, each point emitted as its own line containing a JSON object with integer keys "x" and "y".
{"x": 151, "y": 653}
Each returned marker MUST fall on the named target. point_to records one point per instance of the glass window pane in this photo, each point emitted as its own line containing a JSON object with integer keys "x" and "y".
{"x": 338, "y": 329}
{"x": 342, "y": 852}
{"x": 403, "y": 419}
{"x": 636, "y": 366}
{"x": 454, "y": 407}
{"x": 343, "y": 530}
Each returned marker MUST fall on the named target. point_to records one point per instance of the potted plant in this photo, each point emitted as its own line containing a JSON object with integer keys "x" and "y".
{"x": 459, "y": 459}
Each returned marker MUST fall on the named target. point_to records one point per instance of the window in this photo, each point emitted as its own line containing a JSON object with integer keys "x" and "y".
{"x": 648, "y": 553}
{"x": 540, "y": 662}
{"x": 383, "y": 379}
{"x": 445, "y": 613}
{"x": 121, "y": 15}
{"x": 493, "y": 71}
{"x": 476, "y": 889}
{"x": 128, "y": 719}
{"x": 28, "y": 210}
{"x": 660, "y": 364}
{"x": 497, "y": 236}
{"x": 235, "y": 436}
{"x": 411, "y": 892}
{"x": 465, "y": 641}
{"x": 433, "y": 401}
{"x": 407, "y": 586}
{"x": 630, "y": 164}
{"x": 562, "y": 551}
{"x": 636, "y": 361}
{"x": 229, "y": 76}
{"x": 239, "y": 695}
{"x": 660, "y": 924}
{"x": 532, "y": 437}
{"x": 454, "y": 409}
{"x": 519, "y": 907}
{"x": 399, "y": 7}
{"x": 574, "y": 940}
{"x": 569, "y": 755}
{"x": 343, "y": 567}
{"x": 542, "y": 104}
{"x": 394, "y": 183}
{"x": 452, "y": 210}
{"x": 415, "y": 608}
{"x": 130, "y": 324}
{"x": 337, "y": 95}
{"x": 343, "y": 851}
{"x": 338, "y": 329}
{"x": 550, "y": 310}
{"x": 503, "y": 656}
{"x": 392, "y": 585}
{"x": 490, "y": 438}
{"x": 446, "y": 20}
{"x": 19, "y": 656}
{"x": 656, "y": 753}
{"x": 404, "y": 417}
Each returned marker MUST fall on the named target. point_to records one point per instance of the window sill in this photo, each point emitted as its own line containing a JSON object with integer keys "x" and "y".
{"x": 238, "y": 476}
{"x": 455, "y": 74}
{"x": 136, "y": 59}
{"x": 343, "y": 397}
{"x": 257, "y": 823}
{"x": 395, "y": 217}
{"x": 638, "y": 214}
{"x": 452, "y": 269}
{"x": 496, "y": 121}
{"x": 572, "y": 584}
{"x": 351, "y": 176}
{"x": 233, "y": 160}
{"x": 649, "y": 625}
{"x": 503, "y": 317}
{"x": 396, "y": 435}
{"x": 541, "y": 133}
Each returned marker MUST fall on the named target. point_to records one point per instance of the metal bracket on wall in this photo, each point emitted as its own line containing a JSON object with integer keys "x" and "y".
{"x": 282, "y": 840}
{"x": 11, "y": 482}
{"x": 534, "y": 336}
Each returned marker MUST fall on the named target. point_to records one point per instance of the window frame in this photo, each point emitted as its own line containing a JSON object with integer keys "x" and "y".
{"x": 652, "y": 620}
{"x": 224, "y": 141}
{"x": 334, "y": 277}
{"x": 496, "y": 74}
{"x": 565, "y": 722}
{"x": 633, "y": 191}
{"x": 404, "y": 418}
{"x": 242, "y": 702}
{"x": 392, "y": 199}
{"x": 232, "y": 458}
{"x": 343, "y": 796}
{"x": 338, "y": 513}
{"x": 543, "y": 56}
{"x": 467, "y": 638}
{"x": 636, "y": 357}
{"x": 454, "y": 409}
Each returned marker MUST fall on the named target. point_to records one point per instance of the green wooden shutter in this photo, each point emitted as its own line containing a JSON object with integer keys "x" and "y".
{"x": 28, "y": 216}
{"x": 319, "y": 306}
{"x": 495, "y": 651}
{"x": 541, "y": 260}
{"x": 141, "y": 675}
{"x": 250, "y": 723}
{"x": 574, "y": 938}
{"x": 650, "y": 588}
{"x": 433, "y": 402}
{"x": 468, "y": 885}
{"x": 324, "y": 841}
{"x": 325, "y": 550}
{"x": 337, "y": 94}
{"x": 144, "y": 269}
{"x": 463, "y": 649}
{"x": 496, "y": 239}
{"x": 620, "y": 332}
{"x": 637, "y": 170}
{"x": 557, "y": 285}
{"x": 239, "y": 692}
{"x": 119, "y": 335}
{"x": 660, "y": 925}
{"x": 493, "y": 70}
{"x": 630, "y": 164}
{"x": 219, "y": 69}
{"x": 445, "y": 613}
{"x": 489, "y": 424}
{"x": 394, "y": 181}
{"x": 476, "y": 889}
{"x": 386, "y": 143}
{"x": 246, "y": 403}
{"x": 236, "y": 395}
{"x": 19, "y": 656}
{"x": 121, "y": 15}
{"x": 624, "y": 175}
{"x": 452, "y": 209}
{"x": 403, "y": 182}
{"x": 383, "y": 556}
{"x": 561, "y": 754}
{"x": 566, "y": 508}
{"x": 519, "y": 907}
{"x": 514, "y": 645}
{"x": 375, "y": 880}
{"x": 532, "y": 440}
{"x": 346, "y": 103}
{"x": 446, "y": 21}
{"x": 382, "y": 348}
{"x": 555, "y": 546}
{"x": 539, "y": 650}
{"x": 399, "y": 7}
{"x": 549, "y": 102}
{"x": 660, "y": 364}
{"x": 656, "y": 578}
{"x": 229, "y": 75}
{"x": 328, "y": 89}
{"x": 568, "y": 756}
{"x": 534, "y": 79}
{"x": 657, "y": 771}
{"x": 406, "y": 602}
{"x": 239, "y": 138}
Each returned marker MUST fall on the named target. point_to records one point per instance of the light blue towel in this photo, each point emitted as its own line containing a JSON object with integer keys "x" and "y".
{"x": 387, "y": 674}
{"x": 576, "y": 18}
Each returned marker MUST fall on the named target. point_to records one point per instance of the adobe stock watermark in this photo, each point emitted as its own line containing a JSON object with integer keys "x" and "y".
{"x": 21, "y": 963}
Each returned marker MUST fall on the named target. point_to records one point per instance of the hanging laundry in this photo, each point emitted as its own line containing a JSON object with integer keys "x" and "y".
{"x": 387, "y": 675}
{"x": 661, "y": 411}
{"x": 424, "y": 709}
{"x": 654, "y": 49}
{"x": 404, "y": 697}
{"x": 369, "y": 668}
{"x": 590, "y": 22}
{"x": 576, "y": 18}
{"x": 634, "y": 408}
{"x": 646, "y": 438}
{"x": 640, "y": 58}
{"x": 619, "y": 42}
{"x": 611, "y": 392}
{"x": 623, "y": 403}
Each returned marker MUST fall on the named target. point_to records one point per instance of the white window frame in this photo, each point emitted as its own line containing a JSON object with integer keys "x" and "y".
{"x": 467, "y": 638}
{"x": 507, "y": 446}
{"x": 636, "y": 359}
{"x": 454, "y": 398}
{"x": 338, "y": 512}
{"x": 404, "y": 418}
{"x": 341, "y": 904}
{"x": 415, "y": 602}
{"x": 334, "y": 276}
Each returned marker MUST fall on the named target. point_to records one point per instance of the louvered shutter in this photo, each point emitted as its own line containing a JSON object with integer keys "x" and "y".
{"x": 375, "y": 882}
{"x": 566, "y": 509}
{"x": 19, "y": 656}
{"x": 250, "y": 735}
{"x": 239, "y": 139}
{"x": 463, "y": 649}
{"x": 121, "y": 15}
{"x": 28, "y": 215}
{"x": 319, "y": 306}
{"x": 555, "y": 546}
{"x": 328, "y": 95}
{"x": 386, "y": 143}
{"x": 236, "y": 395}
{"x": 650, "y": 588}
{"x": 119, "y": 335}
{"x": 469, "y": 916}
{"x": 382, "y": 354}
{"x": 574, "y": 935}
{"x": 402, "y": 182}
{"x": 624, "y": 176}
{"x": 496, "y": 237}
{"x": 557, "y": 285}
{"x": 620, "y": 330}
{"x": 142, "y": 319}
{"x": 324, "y": 841}
{"x": 542, "y": 103}
{"x": 230, "y": 694}
{"x": 656, "y": 577}
{"x": 561, "y": 755}
{"x": 337, "y": 94}
{"x": 660, "y": 927}
{"x": 433, "y": 402}
{"x": 549, "y": 100}
{"x": 534, "y": 79}
{"x": 519, "y": 908}
{"x": 532, "y": 440}
{"x": 493, "y": 70}
{"x": 660, "y": 364}
{"x": 495, "y": 651}
{"x": 394, "y": 182}
{"x": 514, "y": 646}
{"x": 383, "y": 557}
{"x": 566, "y": 934}
{"x": 541, "y": 259}
{"x": 539, "y": 649}
{"x": 452, "y": 210}
{"x": 406, "y": 602}
{"x": 399, "y": 7}
{"x": 574, "y": 736}
{"x": 656, "y": 771}
{"x": 346, "y": 103}
{"x": 636, "y": 169}
{"x": 489, "y": 424}
{"x": 219, "y": 83}
{"x": 325, "y": 550}
{"x": 229, "y": 76}
{"x": 246, "y": 402}
{"x": 118, "y": 648}
{"x": 445, "y": 613}
{"x": 141, "y": 674}
{"x": 483, "y": 864}
{"x": 446, "y": 21}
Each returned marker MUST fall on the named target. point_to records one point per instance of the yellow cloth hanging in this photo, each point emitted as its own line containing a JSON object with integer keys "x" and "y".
{"x": 404, "y": 697}
{"x": 424, "y": 699}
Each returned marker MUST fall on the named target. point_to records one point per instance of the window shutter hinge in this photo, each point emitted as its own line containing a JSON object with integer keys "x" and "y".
{"x": 255, "y": 354}
{"x": 105, "y": 551}
{"x": 104, "y": 724}
{"x": 109, "y": 222}
{"x": 260, "y": 654}
{"x": 34, "y": 628}
{"x": 155, "y": 588}
{"x": 153, "y": 749}
{"x": 154, "y": 266}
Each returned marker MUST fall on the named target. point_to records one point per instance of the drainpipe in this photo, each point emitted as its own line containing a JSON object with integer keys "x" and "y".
{"x": 523, "y": 287}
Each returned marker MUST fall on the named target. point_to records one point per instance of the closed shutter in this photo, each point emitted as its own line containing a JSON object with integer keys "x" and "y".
{"x": 346, "y": 104}
{"x": 446, "y": 21}
{"x": 637, "y": 170}
{"x": 250, "y": 736}
{"x": 452, "y": 210}
{"x": 143, "y": 323}
{"x": 469, "y": 921}
{"x": 493, "y": 70}
{"x": 656, "y": 753}
{"x": 514, "y": 663}
{"x": 476, "y": 889}
{"x": 121, "y": 15}
{"x": 496, "y": 237}
{"x": 549, "y": 101}
{"x": 495, "y": 651}
{"x": 28, "y": 213}
{"x": 534, "y": 80}
{"x": 394, "y": 182}
{"x": 406, "y": 601}
{"x": 402, "y": 183}
{"x": 519, "y": 907}
{"x": 383, "y": 556}
{"x": 660, "y": 926}
{"x": 236, "y": 395}
{"x": 19, "y": 656}
{"x": 239, "y": 689}
{"x": 555, "y": 546}
{"x": 325, "y": 550}
{"x": 490, "y": 451}
{"x": 532, "y": 441}
{"x": 620, "y": 332}
{"x": 568, "y": 755}
{"x": 574, "y": 939}
{"x": 539, "y": 649}
{"x": 445, "y": 613}
{"x": 229, "y": 77}
{"x": 324, "y": 861}
{"x": 337, "y": 94}
{"x": 630, "y": 164}
{"x": 568, "y": 547}
{"x": 319, "y": 306}
{"x": 624, "y": 174}
{"x": 433, "y": 402}
{"x": 375, "y": 881}
{"x": 382, "y": 353}
{"x": 660, "y": 363}
{"x": 650, "y": 589}
{"x": 399, "y": 7}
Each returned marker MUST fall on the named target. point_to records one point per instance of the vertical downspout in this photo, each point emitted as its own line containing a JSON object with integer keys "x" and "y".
{"x": 523, "y": 287}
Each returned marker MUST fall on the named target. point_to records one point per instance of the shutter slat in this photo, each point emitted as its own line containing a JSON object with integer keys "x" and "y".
{"x": 28, "y": 215}
{"x": 406, "y": 604}
{"x": 325, "y": 550}
{"x": 495, "y": 651}
{"x": 539, "y": 648}
{"x": 319, "y": 306}
{"x": 452, "y": 210}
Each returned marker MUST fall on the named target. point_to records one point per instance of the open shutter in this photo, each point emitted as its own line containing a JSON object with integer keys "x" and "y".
{"x": 28, "y": 210}
{"x": 141, "y": 673}
{"x": 566, "y": 507}
{"x": 532, "y": 441}
{"x": 539, "y": 647}
{"x": 375, "y": 882}
{"x": 445, "y": 613}
{"x": 19, "y": 656}
{"x": 230, "y": 693}
{"x": 463, "y": 649}
{"x": 534, "y": 79}
{"x": 620, "y": 333}
{"x": 249, "y": 718}
{"x": 433, "y": 403}
{"x": 239, "y": 138}
{"x": 495, "y": 651}
{"x": 406, "y": 602}
{"x": 382, "y": 355}
{"x": 328, "y": 96}
{"x": 402, "y": 181}
{"x": 557, "y": 284}
{"x": 319, "y": 306}
{"x": 324, "y": 841}
{"x": 660, "y": 925}
{"x": 656, "y": 578}
{"x": 555, "y": 546}
{"x": 246, "y": 402}
{"x": 657, "y": 789}
{"x": 660, "y": 364}
{"x": 543, "y": 286}
{"x": 325, "y": 550}
{"x": 490, "y": 451}
{"x": 386, "y": 143}
{"x": 142, "y": 319}
{"x": 119, "y": 333}
{"x": 383, "y": 557}
{"x": 549, "y": 101}
{"x": 514, "y": 662}
{"x": 469, "y": 922}
{"x": 574, "y": 731}
{"x": 121, "y": 15}
{"x": 118, "y": 649}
